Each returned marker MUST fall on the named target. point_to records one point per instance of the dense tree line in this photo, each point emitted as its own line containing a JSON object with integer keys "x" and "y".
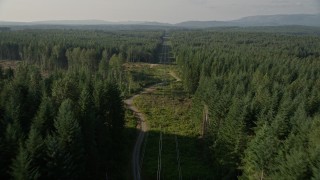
{"x": 262, "y": 93}
{"x": 65, "y": 125}
{"x": 60, "y": 48}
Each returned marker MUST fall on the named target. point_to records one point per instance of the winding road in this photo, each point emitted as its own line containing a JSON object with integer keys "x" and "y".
{"x": 142, "y": 125}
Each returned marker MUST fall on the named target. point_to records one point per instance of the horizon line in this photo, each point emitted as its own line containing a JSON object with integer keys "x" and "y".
{"x": 148, "y": 21}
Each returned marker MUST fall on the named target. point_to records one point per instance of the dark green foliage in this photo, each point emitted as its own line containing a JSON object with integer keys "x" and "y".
{"x": 54, "y": 158}
{"x": 64, "y": 126}
{"x": 114, "y": 108}
{"x": 35, "y": 147}
{"x": 66, "y": 108}
{"x": 21, "y": 165}
{"x": 314, "y": 147}
{"x": 9, "y": 147}
{"x": 54, "y": 49}
{"x": 29, "y": 162}
{"x": 43, "y": 120}
{"x": 259, "y": 92}
{"x": 8, "y": 73}
{"x": 262, "y": 95}
{"x": 68, "y": 137}
{"x": 88, "y": 122}
{"x": 230, "y": 139}
{"x": 260, "y": 154}
{"x": 1, "y": 72}
{"x": 63, "y": 89}
{"x": 103, "y": 66}
{"x": 109, "y": 123}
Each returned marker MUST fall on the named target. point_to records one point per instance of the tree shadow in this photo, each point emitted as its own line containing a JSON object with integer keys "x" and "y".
{"x": 194, "y": 160}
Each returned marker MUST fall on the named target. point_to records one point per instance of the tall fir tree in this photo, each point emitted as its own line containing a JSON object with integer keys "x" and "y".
{"x": 65, "y": 147}
{"x": 87, "y": 121}
{"x": 260, "y": 153}
{"x": 20, "y": 169}
{"x": 35, "y": 147}
{"x": 44, "y": 118}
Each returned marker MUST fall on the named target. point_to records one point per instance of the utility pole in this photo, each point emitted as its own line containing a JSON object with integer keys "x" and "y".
{"x": 178, "y": 158}
{"x": 159, "y": 156}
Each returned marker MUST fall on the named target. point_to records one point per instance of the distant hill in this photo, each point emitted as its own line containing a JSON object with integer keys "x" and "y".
{"x": 72, "y": 22}
{"x": 265, "y": 20}
{"x": 204, "y": 24}
{"x": 280, "y": 20}
{"x": 82, "y": 22}
{"x": 8, "y": 23}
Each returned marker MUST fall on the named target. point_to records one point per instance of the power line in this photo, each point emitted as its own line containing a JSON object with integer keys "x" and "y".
{"x": 178, "y": 157}
{"x": 159, "y": 157}
{"x": 144, "y": 149}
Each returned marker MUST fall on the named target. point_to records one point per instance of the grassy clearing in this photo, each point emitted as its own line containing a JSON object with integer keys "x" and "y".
{"x": 168, "y": 111}
{"x": 141, "y": 75}
{"x": 5, "y": 64}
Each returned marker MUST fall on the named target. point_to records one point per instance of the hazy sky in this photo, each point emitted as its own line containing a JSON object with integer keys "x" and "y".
{"x": 149, "y": 10}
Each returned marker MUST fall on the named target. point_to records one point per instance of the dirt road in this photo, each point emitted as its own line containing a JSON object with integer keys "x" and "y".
{"x": 174, "y": 75}
{"x": 136, "y": 156}
{"x": 142, "y": 125}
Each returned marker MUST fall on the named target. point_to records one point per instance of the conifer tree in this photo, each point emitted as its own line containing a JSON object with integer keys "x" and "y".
{"x": 9, "y": 147}
{"x": 20, "y": 168}
{"x": 65, "y": 88}
{"x": 231, "y": 139}
{"x": 314, "y": 147}
{"x": 65, "y": 148}
{"x": 87, "y": 122}
{"x": 260, "y": 154}
{"x": 35, "y": 147}
{"x": 54, "y": 158}
{"x": 115, "y": 108}
{"x": 103, "y": 68}
{"x": 43, "y": 120}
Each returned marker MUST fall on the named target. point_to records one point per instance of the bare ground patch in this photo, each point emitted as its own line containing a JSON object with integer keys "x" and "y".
{"x": 6, "y": 64}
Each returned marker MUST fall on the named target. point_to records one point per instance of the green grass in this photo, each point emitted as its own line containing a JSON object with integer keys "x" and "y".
{"x": 141, "y": 75}
{"x": 168, "y": 111}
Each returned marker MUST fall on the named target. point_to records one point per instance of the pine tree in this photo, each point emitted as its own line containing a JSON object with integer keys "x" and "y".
{"x": 87, "y": 122}
{"x": 65, "y": 88}
{"x": 281, "y": 123}
{"x": 115, "y": 72}
{"x": 54, "y": 158}
{"x": 69, "y": 137}
{"x": 65, "y": 149}
{"x": 260, "y": 153}
{"x": 115, "y": 109}
{"x": 9, "y": 147}
{"x": 103, "y": 68}
{"x": 43, "y": 120}
{"x": 102, "y": 135}
{"x": 291, "y": 162}
{"x": 21, "y": 165}
{"x": 230, "y": 141}
{"x": 36, "y": 149}
{"x": 34, "y": 92}
{"x": 314, "y": 147}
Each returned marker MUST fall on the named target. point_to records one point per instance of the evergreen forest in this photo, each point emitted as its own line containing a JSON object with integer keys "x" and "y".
{"x": 229, "y": 103}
